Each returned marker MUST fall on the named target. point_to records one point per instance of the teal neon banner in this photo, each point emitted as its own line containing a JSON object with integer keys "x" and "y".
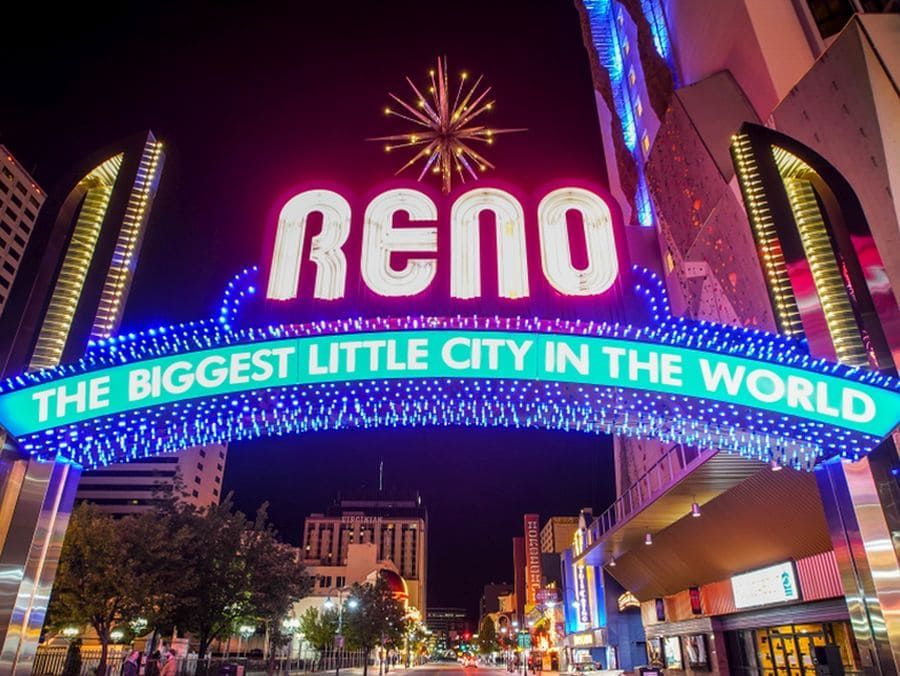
{"x": 454, "y": 354}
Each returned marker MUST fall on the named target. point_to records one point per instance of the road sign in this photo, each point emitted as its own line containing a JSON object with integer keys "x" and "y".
{"x": 524, "y": 640}
{"x": 338, "y": 641}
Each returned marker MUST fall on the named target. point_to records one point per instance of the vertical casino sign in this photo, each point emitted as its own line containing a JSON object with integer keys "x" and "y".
{"x": 533, "y": 570}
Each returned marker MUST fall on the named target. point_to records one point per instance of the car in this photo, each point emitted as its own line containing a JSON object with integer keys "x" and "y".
{"x": 469, "y": 662}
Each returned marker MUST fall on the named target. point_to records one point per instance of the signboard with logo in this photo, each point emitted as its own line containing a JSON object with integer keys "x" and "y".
{"x": 774, "y": 584}
{"x": 533, "y": 570}
{"x": 582, "y": 597}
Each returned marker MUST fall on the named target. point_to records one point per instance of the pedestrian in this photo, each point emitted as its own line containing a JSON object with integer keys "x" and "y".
{"x": 131, "y": 666}
{"x": 170, "y": 668}
{"x": 152, "y": 668}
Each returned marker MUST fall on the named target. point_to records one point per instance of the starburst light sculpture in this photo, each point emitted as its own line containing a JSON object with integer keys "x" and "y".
{"x": 445, "y": 127}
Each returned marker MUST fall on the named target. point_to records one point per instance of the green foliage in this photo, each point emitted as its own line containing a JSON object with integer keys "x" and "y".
{"x": 109, "y": 571}
{"x": 204, "y": 571}
{"x": 319, "y": 628}
{"x": 487, "y": 637}
{"x": 377, "y": 620}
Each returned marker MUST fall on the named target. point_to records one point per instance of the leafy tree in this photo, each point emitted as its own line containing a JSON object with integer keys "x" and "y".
{"x": 234, "y": 570}
{"x": 377, "y": 619}
{"x": 487, "y": 637}
{"x": 276, "y": 580}
{"x": 319, "y": 627}
{"x": 110, "y": 572}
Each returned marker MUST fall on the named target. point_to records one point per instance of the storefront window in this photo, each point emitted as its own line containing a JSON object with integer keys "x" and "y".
{"x": 790, "y": 650}
{"x": 672, "y": 652}
{"x": 654, "y": 652}
{"x": 697, "y": 656}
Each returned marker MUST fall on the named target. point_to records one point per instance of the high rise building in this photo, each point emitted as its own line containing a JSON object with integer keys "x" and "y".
{"x": 557, "y": 534}
{"x": 765, "y": 135}
{"x": 490, "y": 597}
{"x": 396, "y": 524}
{"x": 76, "y": 276}
{"x": 131, "y": 488}
{"x": 21, "y": 199}
{"x": 448, "y": 624}
{"x": 73, "y": 287}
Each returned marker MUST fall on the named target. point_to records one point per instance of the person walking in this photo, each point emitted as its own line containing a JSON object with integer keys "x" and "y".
{"x": 170, "y": 668}
{"x": 152, "y": 668}
{"x": 131, "y": 666}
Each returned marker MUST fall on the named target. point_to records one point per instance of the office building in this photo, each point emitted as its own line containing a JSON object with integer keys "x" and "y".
{"x": 448, "y": 625}
{"x": 765, "y": 135}
{"x": 490, "y": 597}
{"x": 21, "y": 199}
{"x": 557, "y": 534}
{"x": 396, "y": 524}
{"x": 131, "y": 488}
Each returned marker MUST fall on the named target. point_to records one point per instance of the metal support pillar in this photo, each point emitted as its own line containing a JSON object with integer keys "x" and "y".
{"x": 861, "y": 507}
{"x": 36, "y": 499}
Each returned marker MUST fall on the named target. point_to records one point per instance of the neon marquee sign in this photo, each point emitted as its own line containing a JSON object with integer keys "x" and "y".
{"x": 253, "y": 370}
{"x": 484, "y": 244}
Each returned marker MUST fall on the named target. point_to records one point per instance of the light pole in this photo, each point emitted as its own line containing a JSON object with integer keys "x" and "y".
{"x": 245, "y": 631}
{"x": 339, "y": 637}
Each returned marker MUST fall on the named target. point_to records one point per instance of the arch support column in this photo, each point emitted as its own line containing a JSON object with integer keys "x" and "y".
{"x": 861, "y": 507}
{"x": 36, "y": 499}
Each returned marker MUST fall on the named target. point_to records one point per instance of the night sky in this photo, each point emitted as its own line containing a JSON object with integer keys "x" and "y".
{"x": 252, "y": 99}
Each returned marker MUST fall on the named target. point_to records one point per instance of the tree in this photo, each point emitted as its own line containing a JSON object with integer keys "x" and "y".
{"x": 110, "y": 572}
{"x": 234, "y": 570}
{"x": 276, "y": 580}
{"x": 215, "y": 594}
{"x": 377, "y": 619}
{"x": 487, "y": 637}
{"x": 319, "y": 627}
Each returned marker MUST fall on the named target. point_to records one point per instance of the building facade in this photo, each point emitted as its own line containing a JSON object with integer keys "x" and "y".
{"x": 448, "y": 625}
{"x": 396, "y": 525}
{"x": 131, "y": 488}
{"x": 21, "y": 199}
{"x": 765, "y": 135}
{"x": 557, "y": 534}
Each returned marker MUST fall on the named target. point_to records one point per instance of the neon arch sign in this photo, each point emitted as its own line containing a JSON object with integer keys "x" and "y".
{"x": 641, "y": 372}
{"x": 558, "y": 253}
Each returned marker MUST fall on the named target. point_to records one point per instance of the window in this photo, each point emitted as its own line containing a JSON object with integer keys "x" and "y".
{"x": 202, "y": 453}
{"x": 4, "y": 187}
{"x": 196, "y": 493}
{"x": 200, "y": 466}
{"x": 29, "y": 214}
{"x": 218, "y": 480}
{"x": 632, "y": 77}
{"x": 645, "y": 143}
{"x": 9, "y": 268}
{"x": 21, "y": 188}
{"x": 12, "y": 214}
{"x": 626, "y": 48}
{"x": 638, "y": 107}
{"x": 830, "y": 15}
{"x": 34, "y": 202}
{"x": 216, "y": 493}
{"x": 15, "y": 254}
{"x": 196, "y": 480}
{"x": 219, "y": 466}
{"x": 15, "y": 200}
{"x": 18, "y": 240}
{"x": 7, "y": 173}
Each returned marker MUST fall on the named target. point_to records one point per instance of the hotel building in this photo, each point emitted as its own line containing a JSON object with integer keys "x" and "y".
{"x": 73, "y": 287}
{"x": 21, "y": 199}
{"x": 396, "y": 525}
{"x": 756, "y": 143}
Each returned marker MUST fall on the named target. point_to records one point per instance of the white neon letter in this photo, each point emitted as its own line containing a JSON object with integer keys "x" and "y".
{"x": 556, "y": 250}
{"x": 381, "y": 239}
{"x": 465, "y": 250}
{"x": 325, "y": 248}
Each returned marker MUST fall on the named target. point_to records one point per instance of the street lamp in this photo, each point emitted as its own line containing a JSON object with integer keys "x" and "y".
{"x": 245, "y": 631}
{"x": 70, "y": 632}
{"x": 351, "y": 604}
